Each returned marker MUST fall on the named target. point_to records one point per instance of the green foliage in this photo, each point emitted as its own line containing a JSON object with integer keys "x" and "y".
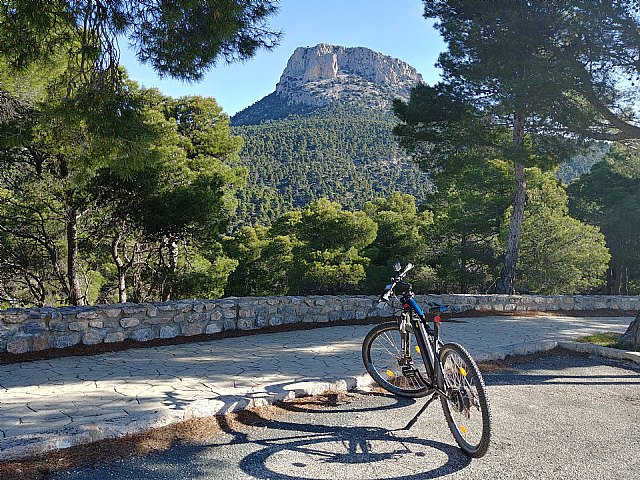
{"x": 344, "y": 155}
{"x": 609, "y": 197}
{"x": 559, "y": 254}
{"x": 146, "y": 182}
{"x": 314, "y": 250}
{"x": 468, "y": 208}
{"x": 400, "y": 239}
{"x": 263, "y": 260}
{"x": 181, "y": 38}
{"x": 329, "y": 259}
{"x": 494, "y": 100}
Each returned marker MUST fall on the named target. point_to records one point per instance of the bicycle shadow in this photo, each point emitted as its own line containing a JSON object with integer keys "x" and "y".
{"x": 314, "y": 451}
{"x": 351, "y": 452}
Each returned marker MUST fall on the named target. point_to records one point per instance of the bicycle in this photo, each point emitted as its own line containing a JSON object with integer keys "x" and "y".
{"x": 407, "y": 358}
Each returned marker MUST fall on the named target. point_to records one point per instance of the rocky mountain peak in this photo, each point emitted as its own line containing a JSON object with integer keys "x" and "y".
{"x": 331, "y": 75}
{"x": 327, "y": 73}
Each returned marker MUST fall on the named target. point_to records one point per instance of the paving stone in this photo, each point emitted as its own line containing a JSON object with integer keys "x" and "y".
{"x": 186, "y": 379}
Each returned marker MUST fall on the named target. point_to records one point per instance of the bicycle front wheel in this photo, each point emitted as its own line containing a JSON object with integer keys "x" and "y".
{"x": 466, "y": 406}
{"x": 392, "y": 358}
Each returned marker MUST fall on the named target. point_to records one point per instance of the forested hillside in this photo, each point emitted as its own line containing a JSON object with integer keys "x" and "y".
{"x": 349, "y": 156}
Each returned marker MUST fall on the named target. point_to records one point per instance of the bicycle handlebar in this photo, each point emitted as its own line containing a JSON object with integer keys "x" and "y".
{"x": 394, "y": 281}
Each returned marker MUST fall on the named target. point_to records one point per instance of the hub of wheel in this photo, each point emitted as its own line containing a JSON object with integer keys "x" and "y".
{"x": 461, "y": 400}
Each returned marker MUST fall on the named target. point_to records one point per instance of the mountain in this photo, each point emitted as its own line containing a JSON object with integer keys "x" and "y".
{"x": 326, "y": 131}
{"x": 329, "y": 75}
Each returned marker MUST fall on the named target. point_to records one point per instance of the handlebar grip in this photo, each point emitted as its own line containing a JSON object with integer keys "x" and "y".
{"x": 406, "y": 270}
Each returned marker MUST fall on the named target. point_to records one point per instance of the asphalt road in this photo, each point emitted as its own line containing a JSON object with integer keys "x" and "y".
{"x": 558, "y": 417}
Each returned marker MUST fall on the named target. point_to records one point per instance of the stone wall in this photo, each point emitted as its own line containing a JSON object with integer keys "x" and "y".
{"x": 29, "y": 330}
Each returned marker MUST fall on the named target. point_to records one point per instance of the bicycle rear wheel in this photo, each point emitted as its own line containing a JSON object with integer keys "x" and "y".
{"x": 392, "y": 358}
{"x": 467, "y": 409}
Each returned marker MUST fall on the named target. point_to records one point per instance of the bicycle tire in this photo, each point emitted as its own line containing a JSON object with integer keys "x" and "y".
{"x": 382, "y": 356}
{"x": 467, "y": 409}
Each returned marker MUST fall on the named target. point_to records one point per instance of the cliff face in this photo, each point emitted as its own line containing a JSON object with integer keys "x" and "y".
{"x": 333, "y": 75}
{"x": 328, "y": 73}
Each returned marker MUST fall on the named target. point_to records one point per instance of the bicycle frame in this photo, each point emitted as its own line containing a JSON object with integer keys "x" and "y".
{"x": 428, "y": 341}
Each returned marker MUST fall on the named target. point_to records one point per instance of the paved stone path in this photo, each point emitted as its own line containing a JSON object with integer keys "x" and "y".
{"x": 66, "y": 401}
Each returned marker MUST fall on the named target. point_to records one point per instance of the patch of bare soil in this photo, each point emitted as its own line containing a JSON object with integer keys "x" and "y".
{"x": 511, "y": 360}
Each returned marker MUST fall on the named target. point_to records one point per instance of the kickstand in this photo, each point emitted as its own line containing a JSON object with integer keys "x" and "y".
{"x": 417, "y": 415}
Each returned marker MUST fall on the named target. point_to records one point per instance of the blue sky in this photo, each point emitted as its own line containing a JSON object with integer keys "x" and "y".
{"x": 392, "y": 27}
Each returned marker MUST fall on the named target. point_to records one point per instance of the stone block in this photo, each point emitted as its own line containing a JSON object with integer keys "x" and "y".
{"x": 91, "y": 338}
{"x": 261, "y": 320}
{"x": 45, "y": 313}
{"x": 14, "y": 318}
{"x": 179, "y": 318}
{"x": 198, "y": 317}
{"x": 142, "y": 335}
{"x": 78, "y": 326}
{"x": 134, "y": 309}
{"x": 184, "y": 307}
{"x": 348, "y": 315}
{"x": 96, "y": 324}
{"x": 198, "y": 307}
{"x": 215, "y": 327}
{"x": 66, "y": 341}
{"x": 19, "y": 345}
{"x": 246, "y": 324}
{"x": 152, "y": 312}
{"x": 169, "y": 331}
{"x": 88, "y": 315}
{"x": 41, "y": 343}
{"x": 34, "y": 328}
{"x": 165, "y": 307}
{"x": 275, "y": 320}
{"x": 57, "y": 326}
{"x": 129, "y": 322}
{"x": 190, "y": 329}
{"x": 112, "y": 312}
{"x": 114, "y": 337}
{"x": 230, "y": 324}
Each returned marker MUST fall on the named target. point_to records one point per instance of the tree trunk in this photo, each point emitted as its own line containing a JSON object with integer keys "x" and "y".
{"x": 507, "y": 281}
{"x": 122, "y": 269}
{"x": 172, "y": 243}
{"x": 75, "y": 292}
{"x": 632, "y": 335}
